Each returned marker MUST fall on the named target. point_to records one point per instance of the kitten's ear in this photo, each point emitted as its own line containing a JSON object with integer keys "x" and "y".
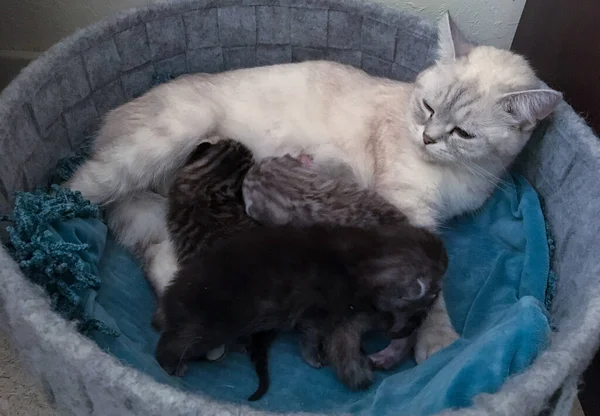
{"x": 531, "y": 106}
{"x": 416, "y": 290}
{"x": 452, "y": 44}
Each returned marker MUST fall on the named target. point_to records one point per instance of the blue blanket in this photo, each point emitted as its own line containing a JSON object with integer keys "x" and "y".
{"x": 495, "y": 289}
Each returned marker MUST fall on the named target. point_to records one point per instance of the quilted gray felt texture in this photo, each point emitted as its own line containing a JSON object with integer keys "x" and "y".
{"x": 58, "y": 99}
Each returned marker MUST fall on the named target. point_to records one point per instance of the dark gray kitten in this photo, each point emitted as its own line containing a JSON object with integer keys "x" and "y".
{"x": 333, "y": 283}
{"x": 288, "y": 190}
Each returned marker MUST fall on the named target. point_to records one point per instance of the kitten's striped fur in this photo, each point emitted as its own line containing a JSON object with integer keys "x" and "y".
{"x": 205, "y": 203}
{"x": 283, "y": 190}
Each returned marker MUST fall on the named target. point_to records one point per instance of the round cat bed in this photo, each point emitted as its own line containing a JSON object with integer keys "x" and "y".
{"x": 57, "y": 100}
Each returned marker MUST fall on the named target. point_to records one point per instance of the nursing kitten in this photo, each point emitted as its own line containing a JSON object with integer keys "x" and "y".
{"x": 288, "y": 190}
{"x": 433, "y": 148}
{"x": 333, "y": 283}
{"x": 205, "y": 202}
{"x": 296, "y": 191}
{"x": 205, "y": 205}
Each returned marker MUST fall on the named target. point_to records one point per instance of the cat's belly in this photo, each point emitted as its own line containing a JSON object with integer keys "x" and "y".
{"x": 326, "y": 145}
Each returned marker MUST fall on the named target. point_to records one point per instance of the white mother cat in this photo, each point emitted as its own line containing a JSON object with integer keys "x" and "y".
{"x": 434, "y": 148}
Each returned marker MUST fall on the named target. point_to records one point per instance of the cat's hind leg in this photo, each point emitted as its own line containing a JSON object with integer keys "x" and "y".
{"x": 139, "y": 223}
{"x": 139, "y": 220}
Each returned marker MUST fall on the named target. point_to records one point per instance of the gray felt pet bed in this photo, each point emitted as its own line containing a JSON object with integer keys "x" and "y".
{"x": 57, "y": 100}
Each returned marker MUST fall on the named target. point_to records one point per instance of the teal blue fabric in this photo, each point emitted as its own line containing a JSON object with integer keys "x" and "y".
{"x": 45, "y": 241}
{"x": 495, "y": 290}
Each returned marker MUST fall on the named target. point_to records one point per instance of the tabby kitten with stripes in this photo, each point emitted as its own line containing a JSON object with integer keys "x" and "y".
{"x": 205, "y": 204}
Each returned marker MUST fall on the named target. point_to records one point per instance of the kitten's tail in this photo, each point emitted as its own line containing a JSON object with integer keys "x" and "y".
{"x": 259, "y": 354}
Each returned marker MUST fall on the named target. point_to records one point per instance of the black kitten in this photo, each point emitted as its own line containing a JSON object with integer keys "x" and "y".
{"x": 205, "y": 206}
{"x": 332, "y": 283}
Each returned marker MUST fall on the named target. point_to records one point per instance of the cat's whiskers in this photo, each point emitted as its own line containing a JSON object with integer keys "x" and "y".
{"x": 482, "y": 173}
{"x": 500, "y": 183}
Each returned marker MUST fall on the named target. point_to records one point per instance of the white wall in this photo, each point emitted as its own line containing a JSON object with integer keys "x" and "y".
{"x": 489, "y": 22}
{"x": 34, "y": 25}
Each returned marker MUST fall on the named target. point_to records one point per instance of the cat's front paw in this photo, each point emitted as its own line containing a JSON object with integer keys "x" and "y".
{"x": 431, "y": 339}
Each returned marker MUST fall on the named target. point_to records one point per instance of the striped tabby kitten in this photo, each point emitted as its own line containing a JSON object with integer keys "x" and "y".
{"x": 205, "y": 205}
{"x": 205, "y": 202}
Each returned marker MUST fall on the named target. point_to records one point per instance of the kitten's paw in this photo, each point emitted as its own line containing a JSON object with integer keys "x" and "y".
{"x": 357, "y": 374}
{"x": 393, "y": 354}
{"x": 313, "y": 361}
{"x": 383, "y": 360}
{"x": 312, "y": 356}
{"x": 431, "y": 339}
{"x": 216, "y": 354}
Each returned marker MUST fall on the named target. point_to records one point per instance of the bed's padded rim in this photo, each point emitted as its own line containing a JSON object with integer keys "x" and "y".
{"x": 56, "y": 101}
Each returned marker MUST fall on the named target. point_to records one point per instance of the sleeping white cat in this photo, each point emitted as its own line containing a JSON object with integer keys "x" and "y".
{"x": 434, "y": 148}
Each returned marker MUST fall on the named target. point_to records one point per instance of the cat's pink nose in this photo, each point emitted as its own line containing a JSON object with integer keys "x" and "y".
{"x": 427, "y": 139}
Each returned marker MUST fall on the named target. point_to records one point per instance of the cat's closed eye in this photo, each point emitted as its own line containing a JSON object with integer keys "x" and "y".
{"x": 461, "y": 133}
{"x": 428, "y": 108}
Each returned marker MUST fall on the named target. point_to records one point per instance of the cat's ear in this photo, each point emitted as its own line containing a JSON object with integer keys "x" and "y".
{"x": 452, "y": 44}
{"x": 530, "y": 106}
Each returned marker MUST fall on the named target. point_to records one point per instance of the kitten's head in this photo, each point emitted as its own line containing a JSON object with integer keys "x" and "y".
{"x": 406, "y": 276}
{"x": 477, "y": 103}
